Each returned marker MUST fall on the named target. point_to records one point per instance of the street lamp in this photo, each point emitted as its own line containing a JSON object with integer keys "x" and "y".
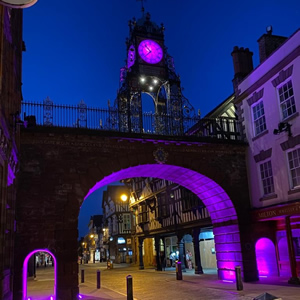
{"x": 124, "y": 197}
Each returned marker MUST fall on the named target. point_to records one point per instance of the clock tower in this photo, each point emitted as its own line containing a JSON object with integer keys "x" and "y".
{"x": 150, "y": 69}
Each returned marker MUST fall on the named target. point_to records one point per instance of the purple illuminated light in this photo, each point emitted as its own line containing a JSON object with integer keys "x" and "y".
{"x": 266, "y": 257}
{"x": 25, "y": 268}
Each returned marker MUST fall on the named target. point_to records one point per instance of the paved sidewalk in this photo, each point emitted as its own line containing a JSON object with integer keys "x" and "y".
{"x": 149, "y": 284}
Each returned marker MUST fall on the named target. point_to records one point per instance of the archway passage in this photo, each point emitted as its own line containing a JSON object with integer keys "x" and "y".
{"x": 61, "y": 166}
{"x": 52, "y": 295}
{"x": 217, "y": 202}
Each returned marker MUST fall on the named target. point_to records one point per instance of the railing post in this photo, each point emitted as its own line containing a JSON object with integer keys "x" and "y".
{"x": 129, "y": 287}
{"x": 82, "y": 276}
{"x": 238, "y": 276}
{"x": 98, "y": 279}
{"x": 178, "y": 271}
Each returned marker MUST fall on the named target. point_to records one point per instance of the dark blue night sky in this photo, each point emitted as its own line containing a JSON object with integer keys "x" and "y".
{"x": 76, "y": 48}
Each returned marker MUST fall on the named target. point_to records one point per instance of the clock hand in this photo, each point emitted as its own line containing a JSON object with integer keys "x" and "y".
{"x": 148, "y": 49}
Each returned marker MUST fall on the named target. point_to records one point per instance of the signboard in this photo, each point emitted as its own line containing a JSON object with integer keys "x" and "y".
{"x": 18, "y": 3}
{"x": 278, "y": 211}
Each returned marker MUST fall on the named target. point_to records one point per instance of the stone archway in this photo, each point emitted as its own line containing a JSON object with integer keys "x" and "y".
{"x": 25, "y": 269}
{"x": 61, "y": 166}
{"x": 217, "y": 202}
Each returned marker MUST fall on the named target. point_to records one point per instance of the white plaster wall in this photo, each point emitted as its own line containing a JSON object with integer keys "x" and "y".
{"x": 269, "y": 140}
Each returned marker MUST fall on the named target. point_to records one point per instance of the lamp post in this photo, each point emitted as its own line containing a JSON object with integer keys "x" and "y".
{"x": 92, "y": 237}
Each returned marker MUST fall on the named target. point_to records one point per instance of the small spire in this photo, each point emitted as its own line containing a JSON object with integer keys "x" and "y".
{"x": 143, "y": 8}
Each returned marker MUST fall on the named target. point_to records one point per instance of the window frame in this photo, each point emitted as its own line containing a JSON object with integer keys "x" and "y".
{"x": 262, "y": 180}
{"x": 292, "y": 187}
{"x": 261, "y": 117}
{"x": 287, "y": 99}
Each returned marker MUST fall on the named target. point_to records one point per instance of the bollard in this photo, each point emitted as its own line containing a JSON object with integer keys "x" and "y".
{"x": 82, "y": 276}
{"x": 238, "y": 277}
{"x": 129, "y": 287}
{"x": 98, "y": 279}
{"x": 178, "y": 271}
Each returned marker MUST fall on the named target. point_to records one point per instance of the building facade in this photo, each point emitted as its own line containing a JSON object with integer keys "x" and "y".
{"x": 268, "y": 104}
{"x": 170, "y": 225}
{"x": 11, "y": 47}
{"x": 117, "y": 230}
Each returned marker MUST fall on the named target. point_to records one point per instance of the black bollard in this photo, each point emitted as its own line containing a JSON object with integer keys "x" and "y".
{"x": 178, "y": 271}
{"x": 238, "y": 276}
{"x": 82, "y": 276}
{"x": 129, "y": 287}
{"x": 98, "y": 279}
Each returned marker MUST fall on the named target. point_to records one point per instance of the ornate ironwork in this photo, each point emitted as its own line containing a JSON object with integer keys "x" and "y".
{"x": 48, "y": 112}
{"x": 82, "y": 115}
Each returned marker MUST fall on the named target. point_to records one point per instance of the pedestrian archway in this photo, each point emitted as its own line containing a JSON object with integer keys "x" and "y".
{"x": 62, "y": 166}
{"x": 216, "y": 200}
{"x": 52, "y": 296}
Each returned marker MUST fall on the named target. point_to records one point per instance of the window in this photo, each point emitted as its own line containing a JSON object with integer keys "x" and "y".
{"x": 287, "y": 101}
{"x": 163, "y": 205}
{"x": 126, "y": 221}
{"x": 267, "y": 177}
{"x": 259, "y": 120}
{"x": 190, "y": 200}
{"x": 294, "y": 165}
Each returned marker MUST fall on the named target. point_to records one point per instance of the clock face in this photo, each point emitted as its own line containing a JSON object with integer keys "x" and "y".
{"x": 150, "y": 51}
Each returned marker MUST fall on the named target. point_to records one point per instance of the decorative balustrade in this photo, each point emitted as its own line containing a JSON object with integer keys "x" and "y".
{"x": 80, "y": 116}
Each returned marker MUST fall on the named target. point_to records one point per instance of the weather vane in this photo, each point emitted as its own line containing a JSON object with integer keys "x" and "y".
{"x": 142, "y": 2}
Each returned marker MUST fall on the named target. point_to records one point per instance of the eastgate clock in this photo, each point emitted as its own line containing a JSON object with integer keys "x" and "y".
{"x": 150, "y": 51}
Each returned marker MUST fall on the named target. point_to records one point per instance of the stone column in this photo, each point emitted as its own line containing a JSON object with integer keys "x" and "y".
{"x": 67, "y": 265}
{"x": 181, "y": 251}
{"x": 141, "y": 265}
{"x": 293, "y": 264}
{"x": 157, "y": 250}
{"x": 198, "y": 266}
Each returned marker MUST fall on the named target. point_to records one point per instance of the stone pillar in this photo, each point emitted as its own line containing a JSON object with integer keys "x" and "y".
{"x": 293, "y": 264}
{"x": 198, "y": 266}
{"x": 141, "y": 265}
{"x": 157, "y": 250}
{"x": 67, "y": 263}
{"x": 181, "y": 251}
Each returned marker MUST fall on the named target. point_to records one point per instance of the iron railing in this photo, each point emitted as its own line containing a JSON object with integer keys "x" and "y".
{"x": 80, "y": 116}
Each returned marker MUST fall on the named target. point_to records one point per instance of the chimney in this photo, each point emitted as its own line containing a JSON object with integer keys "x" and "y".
{"x": 242, "y": 64}
{"x": 268, "y": 43}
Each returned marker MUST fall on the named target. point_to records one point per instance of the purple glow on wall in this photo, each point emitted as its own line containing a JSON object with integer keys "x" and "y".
{"x": 266, "y": 257}
{"x": 131, "y": 56}
{"x": 25, "y": 269}
{"x": 216, "y": 200}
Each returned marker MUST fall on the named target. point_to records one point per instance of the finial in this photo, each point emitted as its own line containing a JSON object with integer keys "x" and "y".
{"x": 142, "y": 3}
